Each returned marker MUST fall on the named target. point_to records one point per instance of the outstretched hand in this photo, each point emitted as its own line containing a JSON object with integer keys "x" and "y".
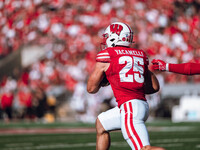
{"x": 159, "y": 65}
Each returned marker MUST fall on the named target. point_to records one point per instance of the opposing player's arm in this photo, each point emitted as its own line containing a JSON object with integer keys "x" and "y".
{"x": 93, "y": 84}
{"x": 184, "y": 68}
{"x": 151, "y": 83}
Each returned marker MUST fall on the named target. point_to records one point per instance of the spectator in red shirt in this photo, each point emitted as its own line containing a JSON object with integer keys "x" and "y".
{"x": 25, "y": 99}
{"x": 6, "y": 103}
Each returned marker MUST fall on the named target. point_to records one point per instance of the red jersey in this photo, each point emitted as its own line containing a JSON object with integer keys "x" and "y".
{"x": 7, "y": 100}
{"x": 126, "y": 73}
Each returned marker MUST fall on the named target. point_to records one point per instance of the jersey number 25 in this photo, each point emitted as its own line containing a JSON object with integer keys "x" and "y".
{"x": 132, "y": 63}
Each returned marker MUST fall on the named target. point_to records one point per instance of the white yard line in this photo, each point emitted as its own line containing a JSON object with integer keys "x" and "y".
{"x": 18, "y": 144}
{"x": 172, "y": 129}
{"x": 171, "y": 145}
{"x": 175, "y": 140}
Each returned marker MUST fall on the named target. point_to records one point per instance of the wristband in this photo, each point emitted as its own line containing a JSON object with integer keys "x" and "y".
{"x": 167, "y": 66}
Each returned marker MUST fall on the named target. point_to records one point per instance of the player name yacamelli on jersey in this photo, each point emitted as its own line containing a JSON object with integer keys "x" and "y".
{"x": 131, "y": 52}
{"x": 126, "y": 72}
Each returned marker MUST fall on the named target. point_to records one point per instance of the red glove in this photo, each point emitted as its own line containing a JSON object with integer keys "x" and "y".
{"x": 159, "y": 65}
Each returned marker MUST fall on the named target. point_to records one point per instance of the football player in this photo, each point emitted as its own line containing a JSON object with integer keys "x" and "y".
{"x": 126, "y": 70}
{"x": 184, "y": 68}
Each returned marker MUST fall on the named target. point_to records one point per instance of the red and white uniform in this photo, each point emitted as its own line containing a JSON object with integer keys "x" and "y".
{"x": 126, "y": 75}
{"x": 126, "y": 72}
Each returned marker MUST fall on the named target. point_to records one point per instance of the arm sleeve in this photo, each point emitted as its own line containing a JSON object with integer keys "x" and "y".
{"x": 185, "y": 68}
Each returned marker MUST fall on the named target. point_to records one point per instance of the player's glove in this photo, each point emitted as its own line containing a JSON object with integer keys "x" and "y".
{"x": 159, "y": 65}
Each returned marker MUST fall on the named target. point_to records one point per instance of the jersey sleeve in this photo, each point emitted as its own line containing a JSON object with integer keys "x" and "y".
{"x": 103, "y": 56}
{"x": 185, "y": 68}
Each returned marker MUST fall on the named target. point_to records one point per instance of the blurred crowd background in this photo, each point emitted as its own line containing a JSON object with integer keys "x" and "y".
{"x": 70, "y": 32}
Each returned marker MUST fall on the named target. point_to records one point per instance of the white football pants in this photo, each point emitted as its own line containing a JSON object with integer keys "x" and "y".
{"x": 130, "y": 118}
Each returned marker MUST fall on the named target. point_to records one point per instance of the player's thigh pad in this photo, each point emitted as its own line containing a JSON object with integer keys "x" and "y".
{"x": 133, "y": 115}
{"x": 110, "y": 119}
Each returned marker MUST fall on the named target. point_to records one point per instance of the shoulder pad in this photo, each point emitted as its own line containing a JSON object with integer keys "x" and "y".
{"x": 103, "y": 56}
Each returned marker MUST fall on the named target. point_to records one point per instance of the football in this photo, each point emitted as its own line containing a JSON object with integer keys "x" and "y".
{"x": 104, "y": 82}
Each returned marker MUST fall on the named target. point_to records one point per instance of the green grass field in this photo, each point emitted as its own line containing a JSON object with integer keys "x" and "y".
{"x": 179, "y": 136}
